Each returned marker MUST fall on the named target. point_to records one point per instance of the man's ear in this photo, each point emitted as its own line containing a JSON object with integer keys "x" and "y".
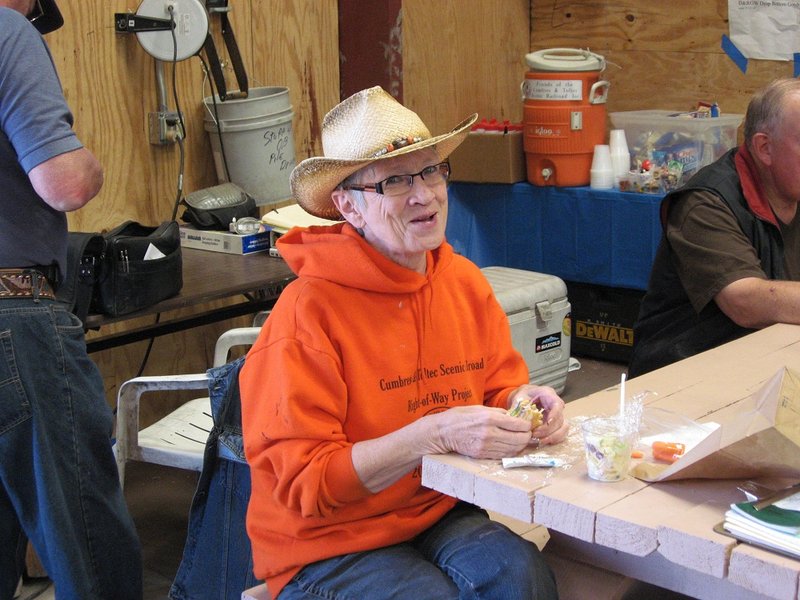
{"x": 344, "y": 202}
{"x": 761, "y": 148}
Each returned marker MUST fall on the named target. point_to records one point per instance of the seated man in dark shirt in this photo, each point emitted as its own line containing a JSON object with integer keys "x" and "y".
{"x": 729, "y": 259}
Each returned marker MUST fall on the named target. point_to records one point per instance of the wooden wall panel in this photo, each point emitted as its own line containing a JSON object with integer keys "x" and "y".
{"x": 109, "y": 82}
{"x": 296, "y": 44}
{"x": 104, "y": 78}
{"x": 464, "y": 56}
{"x": 661, "y": 55}
{"x": 617, "y": 26}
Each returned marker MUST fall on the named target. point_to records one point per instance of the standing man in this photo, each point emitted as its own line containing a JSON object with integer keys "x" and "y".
{"x": 729, "y": 259}
{"x": 58, "y": 480}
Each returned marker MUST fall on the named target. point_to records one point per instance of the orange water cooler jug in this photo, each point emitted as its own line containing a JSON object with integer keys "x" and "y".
{"x": 564, "y": 115}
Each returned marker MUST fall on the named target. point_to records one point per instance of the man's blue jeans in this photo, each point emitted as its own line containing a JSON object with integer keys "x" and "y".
{"x": 58, "y": 477}
{"x": 465, "y": 556}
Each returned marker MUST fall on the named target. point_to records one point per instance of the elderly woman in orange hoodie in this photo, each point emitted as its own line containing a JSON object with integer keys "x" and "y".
{"x": 387, "y": 347}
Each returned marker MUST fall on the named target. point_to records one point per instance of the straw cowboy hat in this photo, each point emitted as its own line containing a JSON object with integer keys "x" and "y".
{"x": 367, "y": 127}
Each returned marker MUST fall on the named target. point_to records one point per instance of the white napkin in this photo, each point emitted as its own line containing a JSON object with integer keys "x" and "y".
{"x": 153, "y": 253}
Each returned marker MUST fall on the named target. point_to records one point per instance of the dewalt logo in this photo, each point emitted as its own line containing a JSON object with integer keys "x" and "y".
{"x": 604, "y": 333}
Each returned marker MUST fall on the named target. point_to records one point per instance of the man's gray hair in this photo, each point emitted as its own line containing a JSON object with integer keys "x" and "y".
{"x": 765, "y": 111}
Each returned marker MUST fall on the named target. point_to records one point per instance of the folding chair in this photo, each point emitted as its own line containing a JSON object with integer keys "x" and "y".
{"x": 179, "y": 438}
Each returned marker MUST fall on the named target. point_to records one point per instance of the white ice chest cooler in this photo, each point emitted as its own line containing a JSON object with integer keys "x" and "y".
{"x": 537, "y": 308}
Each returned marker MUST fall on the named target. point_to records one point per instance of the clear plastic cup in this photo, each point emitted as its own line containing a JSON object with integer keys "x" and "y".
{"x": 608, "y": 448}
{"x": 601, "y": 174}
{"x": 620, "y": 156}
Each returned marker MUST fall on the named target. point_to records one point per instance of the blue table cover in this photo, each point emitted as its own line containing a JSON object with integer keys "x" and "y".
{"x": 602, "y": 237}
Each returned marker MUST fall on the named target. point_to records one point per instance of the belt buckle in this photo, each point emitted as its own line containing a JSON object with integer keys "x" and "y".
{"x": 24, "y": 283}
{"x": 36, "y": 283}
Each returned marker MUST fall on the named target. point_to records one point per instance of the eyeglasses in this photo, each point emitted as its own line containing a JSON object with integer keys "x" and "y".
{"x": 397, "y": 185}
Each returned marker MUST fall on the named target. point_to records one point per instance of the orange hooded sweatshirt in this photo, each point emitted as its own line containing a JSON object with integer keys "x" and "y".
{"x": 357, "y": 347}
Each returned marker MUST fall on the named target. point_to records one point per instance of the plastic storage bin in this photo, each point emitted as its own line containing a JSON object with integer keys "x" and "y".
{"x": 676, "y": 145}
{"x": 538, "y": 311}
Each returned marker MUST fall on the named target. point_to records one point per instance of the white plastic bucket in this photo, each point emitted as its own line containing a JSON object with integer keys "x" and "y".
{"x": 257, "y": 138}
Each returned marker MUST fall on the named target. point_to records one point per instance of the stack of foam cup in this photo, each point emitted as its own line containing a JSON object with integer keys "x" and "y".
{"x": 620, "y": 156}
{"x": 601, "y": 175}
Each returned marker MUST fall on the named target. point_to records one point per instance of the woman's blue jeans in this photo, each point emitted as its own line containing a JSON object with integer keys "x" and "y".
{"x": 58, "y": 478}
{"x": 465, "y": 555}
{"x": 217, "y": 561}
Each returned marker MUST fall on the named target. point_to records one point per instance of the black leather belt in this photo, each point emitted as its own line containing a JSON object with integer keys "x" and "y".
{"x": 25, "y": 283}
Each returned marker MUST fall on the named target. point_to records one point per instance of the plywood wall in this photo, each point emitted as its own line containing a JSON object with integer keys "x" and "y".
{"x": 661, "y": 55}
{"x": 109, "y": 82}
{"x": 459, "y": 57}
{"x": 463, "y": 56}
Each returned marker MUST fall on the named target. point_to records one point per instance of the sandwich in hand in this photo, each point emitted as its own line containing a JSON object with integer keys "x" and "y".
{"x": 525, "y": 408}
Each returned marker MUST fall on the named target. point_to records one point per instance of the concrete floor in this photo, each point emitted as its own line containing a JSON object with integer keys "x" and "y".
{"x": 159, "y": 500}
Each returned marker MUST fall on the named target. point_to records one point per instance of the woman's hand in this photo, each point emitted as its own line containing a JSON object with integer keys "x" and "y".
{"x": 554, "y": 427}
{"x": 478, "y": 432}
{"x": 474, "y": 431}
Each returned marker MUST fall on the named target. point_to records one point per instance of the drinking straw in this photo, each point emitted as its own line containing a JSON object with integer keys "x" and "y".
{"x": 622, "y": 397}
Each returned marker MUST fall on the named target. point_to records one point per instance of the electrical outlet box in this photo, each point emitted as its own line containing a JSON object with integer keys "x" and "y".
{"x": 163, "y": 127}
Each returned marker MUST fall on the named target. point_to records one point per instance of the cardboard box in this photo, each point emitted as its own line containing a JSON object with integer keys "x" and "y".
{"x": 489, "y": 158}
{"x": 602, "y": 320}
{"x": 222, "y": 241}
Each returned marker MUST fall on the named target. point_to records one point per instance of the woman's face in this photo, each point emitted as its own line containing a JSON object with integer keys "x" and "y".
{"x": 402, "y": 227}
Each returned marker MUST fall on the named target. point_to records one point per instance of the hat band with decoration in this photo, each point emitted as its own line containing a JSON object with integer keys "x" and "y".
{"x": 396, "y": 145}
